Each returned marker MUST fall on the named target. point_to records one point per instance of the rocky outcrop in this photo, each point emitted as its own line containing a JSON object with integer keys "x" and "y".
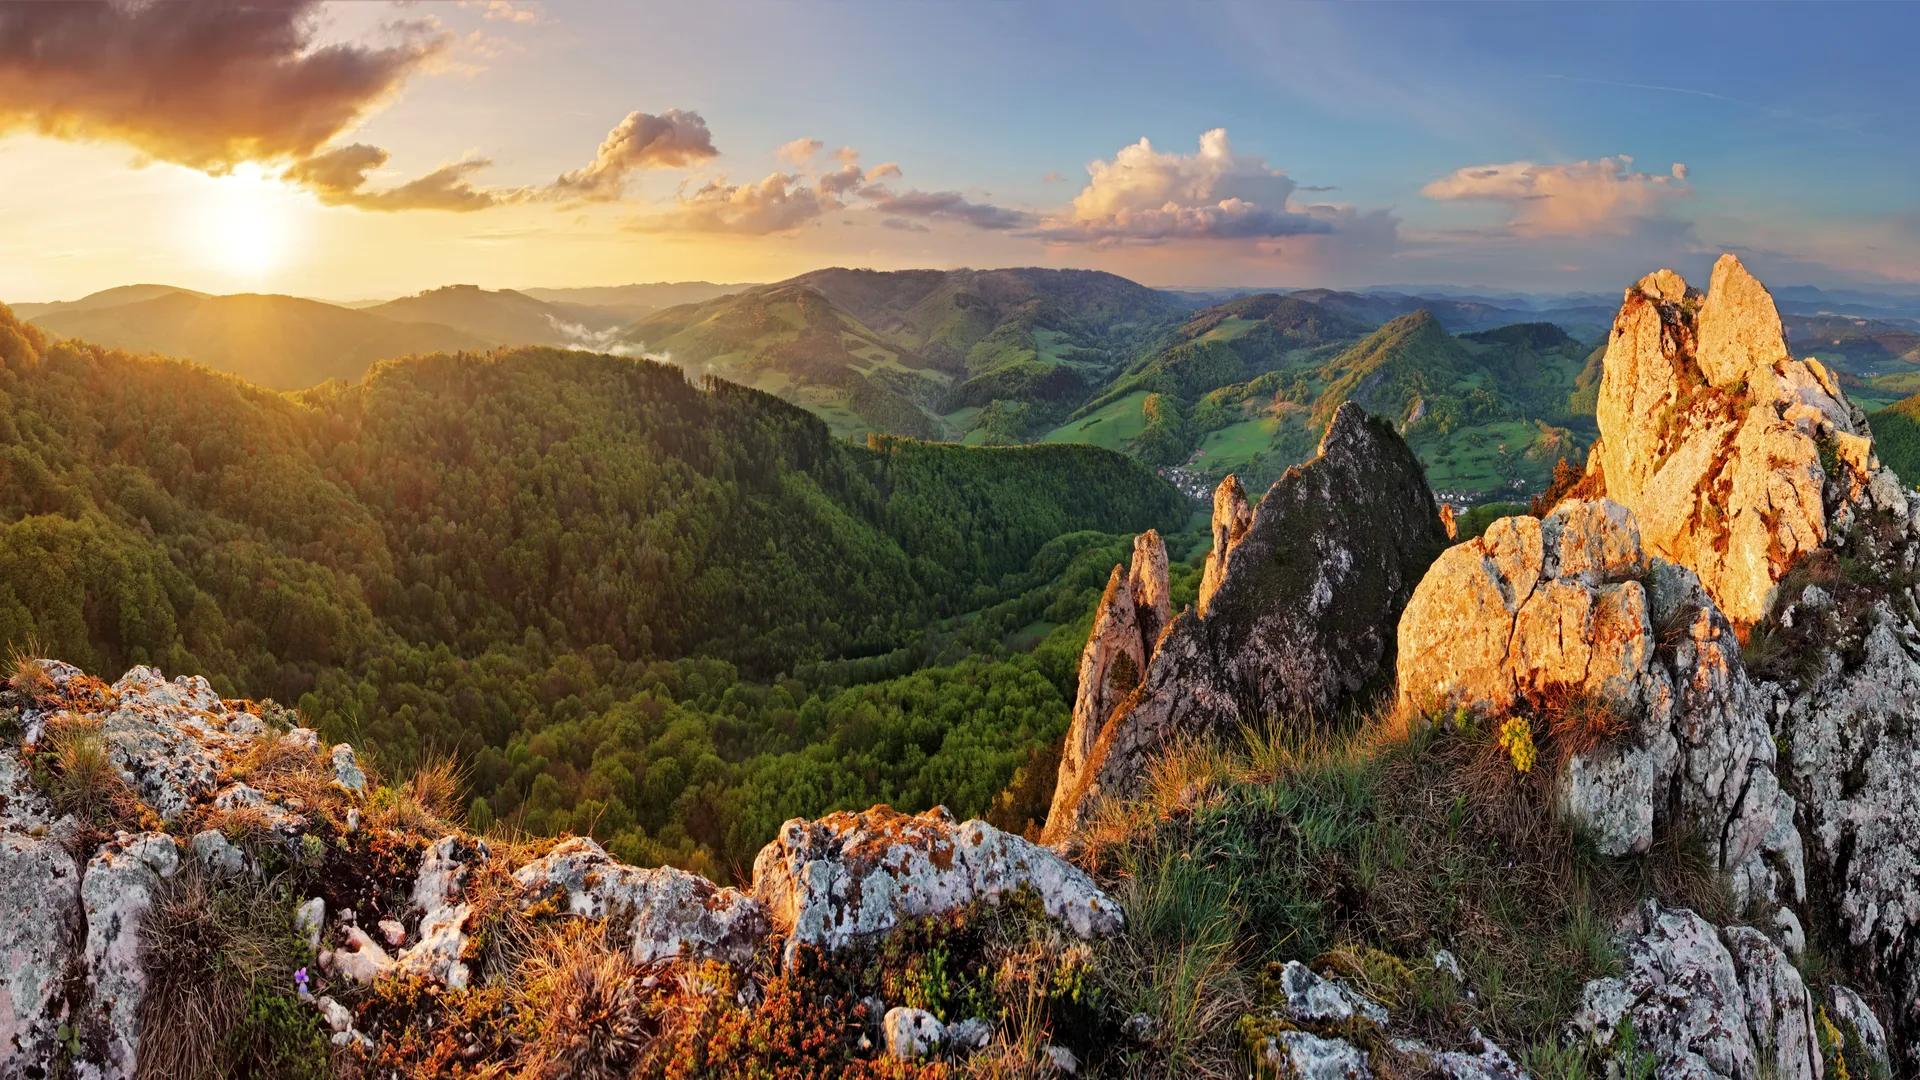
{"x": 75, "y": 977}
{"x": 1568, "y": 619}
{"x": 1734, "y": 456}
{"x": 672, "y": 913}
{"x": 1719, "y": 1005}
{"x": 1126, "y": 625}
{"x": 1301, "y": 620}
{"x": 851, "y": 877}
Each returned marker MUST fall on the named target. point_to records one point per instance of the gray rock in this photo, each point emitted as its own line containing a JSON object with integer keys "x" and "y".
{"x": 1061, "y": 1061}
{"x": 115, "y": 893}
{"x": 1844, "y": 1006}
{"x": 1311, "y": 999}
{"x": 1306, "y": 1056}
{"x": 1779, "y": 1009}
{"x": 1302, "y": 620}
{"x": 309, "y": 918}
{"x": 850, "y": 877}
{"x": 912, "y": 1034}
{"x": 40, "y": 893}
{"x": 672, "y": 912}
{"x": 968, "y": 1036}
{"x": 346, "y": 769}
{"x": 1682, "y": 995}
{"x": 219, "y": 854}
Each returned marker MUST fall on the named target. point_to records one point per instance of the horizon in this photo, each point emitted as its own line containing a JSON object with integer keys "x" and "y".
{"x": 362, "y": 150}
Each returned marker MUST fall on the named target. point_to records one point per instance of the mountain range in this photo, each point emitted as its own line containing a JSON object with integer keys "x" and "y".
{"x": 1491, "y": 390}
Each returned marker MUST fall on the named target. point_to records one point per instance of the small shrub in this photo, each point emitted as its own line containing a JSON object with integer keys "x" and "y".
{"x": 76, "y": 770}
{"x": 1516, "y": 738}
{"x": 582, "y": 998}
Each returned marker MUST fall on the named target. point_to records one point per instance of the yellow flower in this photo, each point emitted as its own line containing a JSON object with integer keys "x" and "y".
{"x": 1516, "y": 738}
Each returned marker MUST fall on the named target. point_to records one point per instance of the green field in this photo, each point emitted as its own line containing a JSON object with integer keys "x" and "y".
{"x": 1483, "y": 458}
{"x": 1111, "y": 426}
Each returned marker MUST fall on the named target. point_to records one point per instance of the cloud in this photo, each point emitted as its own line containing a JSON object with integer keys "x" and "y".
{"x": 507, "y": 11}
{"x": 673, "y": 139}
{"x": 1146, "y": 196}
{"x": 799, "y": 151}
{"x": 1053, "y": 178}
{"x": 903, "y": 225}
{"x": 947, "y": 206}
{"x": 882, "y": 171}
{"x": 203, "y": 83}
{"x": 781, "y": 202}
{"x": 339, "y": 177}
{"x": 1584, "y": 198}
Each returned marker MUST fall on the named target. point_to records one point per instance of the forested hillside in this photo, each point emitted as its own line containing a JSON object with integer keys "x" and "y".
{"x": 611, "y": 593}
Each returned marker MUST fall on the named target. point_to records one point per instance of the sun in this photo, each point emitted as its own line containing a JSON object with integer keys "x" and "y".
{"x": 244, "y": 227}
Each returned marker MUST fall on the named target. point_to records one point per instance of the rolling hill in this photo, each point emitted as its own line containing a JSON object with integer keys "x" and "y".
{"x": 504, "y": 317}
{"x": 281, "y": 342}
{"x": 631, "y": 302}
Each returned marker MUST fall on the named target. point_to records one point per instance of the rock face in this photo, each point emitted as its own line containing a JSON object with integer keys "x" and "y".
{"x": 1705, "y": 1003}
{"x": 1720, "y": 442}
{"x": 851, "y": 877}
{"x": 1126, "y": 625}
{"x": 1300, "y": 620}
{"x": 673, "y": 912}
{"x": 1537, "y": 610}
{"x": 1746, "y": 465}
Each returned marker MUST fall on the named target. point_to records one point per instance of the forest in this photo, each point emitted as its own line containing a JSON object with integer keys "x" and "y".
{"x": 669, "y": 615}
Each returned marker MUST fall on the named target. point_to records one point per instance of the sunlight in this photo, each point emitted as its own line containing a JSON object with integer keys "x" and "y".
{"x": 244, "y": 225}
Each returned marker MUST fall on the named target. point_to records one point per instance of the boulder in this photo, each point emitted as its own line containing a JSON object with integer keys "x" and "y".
{"x": 40, "y": 893}
{"x": 1307, "y": 998}
{"x": 1718, "y": 1005}
{"x": 1536, "y": 610}
{"x": 115, "y": 893}
{"x": 850, "y": 877}
{"x": 1300, "y": 622}
{"x": 912, "y": 1034}
{"x": 671, "y": 912}
{"x": 1232, "y": 517}
{"x": 1306, "y": 1056}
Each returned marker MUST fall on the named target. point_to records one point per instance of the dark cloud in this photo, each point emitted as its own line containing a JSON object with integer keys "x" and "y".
{"x": 206, "y": 83}
{"x": 673, "y": 139}
{"x": 339, "y": 177}
{"x": 947, "y": 206}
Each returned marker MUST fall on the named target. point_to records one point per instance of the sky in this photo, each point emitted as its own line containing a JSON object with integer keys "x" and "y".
{"x": 365, "y": 150}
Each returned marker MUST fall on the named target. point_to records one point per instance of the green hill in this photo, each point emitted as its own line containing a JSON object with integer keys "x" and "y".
{"x": 282, "y": 342}
{"x": 669, "y": 614}
{"x": 1896, "y": 437}
{"x": 502, "y": 317}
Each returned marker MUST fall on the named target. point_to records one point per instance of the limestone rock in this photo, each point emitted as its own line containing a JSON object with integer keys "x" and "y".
{"x": 115, "y": 893}
{"x": 1847, "y": 1007}
{"x": 851, "y": 876}
{"x": 1306, "y": 1056}
{"x": 672, "y": 912}
{"x": 40, "y": 893}
{"x": 1713, "y": 435}
{"x": 1569, "y": 604}
{"x": 1232, "y": 517}
{"x": 1308, "y": 998}
{"x": 360, "y": 958}
{"x": 1301, "y": 619}
{"x": 912, "y": 1034}
{"x": 1126, "y": 624}
{"x": 346, "y": 768}
{"x": 1682, "y": 996}
{"x": 1779, "y": 1009}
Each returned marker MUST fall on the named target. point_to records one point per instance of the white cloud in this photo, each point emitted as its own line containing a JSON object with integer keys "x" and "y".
{"x": 800, "y": 151}
{"x": 1145, "y": 195}
{"x": 1583, "y": 198}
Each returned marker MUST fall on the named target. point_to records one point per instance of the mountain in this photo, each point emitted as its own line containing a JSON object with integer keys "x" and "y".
{"x": 630, "y": 302}
{"x": 1245, "y": 387}
{"x": 504, "y": 317}
{"x": 541, "y": 560}
{"x": 918, "y": 351}
{"x": 1461, "y": 314}
{"x": 1624, "y": 788}
{"x": 1896, "y": 435}
{"x": 282, "y": 342}
{"x": 105, "y": 298}
{"x": 1857, "y": 346}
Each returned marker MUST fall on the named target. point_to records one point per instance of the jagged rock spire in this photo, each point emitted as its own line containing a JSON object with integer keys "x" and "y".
{"x": 1721, "y": 443}
{"x": 1133, "y": 610}
{"x": 1232, "y": 517}
{"x": 1299, "y": 621}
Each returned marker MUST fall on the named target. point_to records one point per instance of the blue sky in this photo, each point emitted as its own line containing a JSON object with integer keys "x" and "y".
{"x": 1458, "y": 144}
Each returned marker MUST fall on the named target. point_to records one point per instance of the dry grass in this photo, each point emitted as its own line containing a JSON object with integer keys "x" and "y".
{"x": 585, "y": 1005}
{"x": 219, "y": 957}
{"x": 25, "y": 676}
{"x": 77, "y": 772}
{"x": 426, "y": 803}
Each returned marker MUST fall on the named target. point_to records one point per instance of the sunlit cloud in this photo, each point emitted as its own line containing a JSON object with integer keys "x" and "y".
{"x": 1148, "y": 196}
{"x": 672, "y": 139}
{"x": 338, "y": 178}
{"x": 203, "y": 84}
{"x": 799, "y": 152}
{"x": 1583, "y": 198}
